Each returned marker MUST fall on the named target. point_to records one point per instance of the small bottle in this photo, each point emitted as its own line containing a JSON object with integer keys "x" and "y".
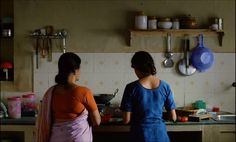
{"x": 152, "y": 23}
{"x": 175, "y": 23}
{"x": 220, "y": 23}
{"x": 140, "y": 21}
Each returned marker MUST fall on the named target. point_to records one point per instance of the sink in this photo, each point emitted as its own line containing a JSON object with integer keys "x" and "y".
{"x": 225, "y": 117}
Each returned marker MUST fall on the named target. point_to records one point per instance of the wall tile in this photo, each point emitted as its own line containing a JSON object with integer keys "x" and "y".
{"x": 179, "y": 98}
{"x": 224, "y": 62}
{"x": 87, "y": 79}
{"x": 46, "y": 66}
{"x": 104, "y": 62}
{"x": 199, "y": 83}
{"x": 51, "y": 78}
{"x": 87, "y": 62}
{"x": 127, "y": 62}
{"x": 41, "y": 82}
{"x": 104, "y": 72}
{"x": 225, "y": 101}
{"x": 223, "y": 82}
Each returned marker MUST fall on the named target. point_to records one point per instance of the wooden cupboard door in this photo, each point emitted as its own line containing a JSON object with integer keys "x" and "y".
{"x": 227, "y": 133}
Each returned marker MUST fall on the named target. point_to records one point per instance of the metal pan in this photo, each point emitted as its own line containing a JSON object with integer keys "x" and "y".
{"x": 184, "y": 66}
{"x": 105, "y": 98}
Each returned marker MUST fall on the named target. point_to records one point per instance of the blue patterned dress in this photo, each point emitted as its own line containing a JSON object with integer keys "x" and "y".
{"x": 146, "y": 106}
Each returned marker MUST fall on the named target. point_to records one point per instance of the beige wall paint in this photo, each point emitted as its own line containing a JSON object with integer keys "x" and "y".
{"x": 102, "y": 26}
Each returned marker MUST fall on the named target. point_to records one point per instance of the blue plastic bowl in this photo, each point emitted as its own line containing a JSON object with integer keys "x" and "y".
{"x": 202, "y": 58}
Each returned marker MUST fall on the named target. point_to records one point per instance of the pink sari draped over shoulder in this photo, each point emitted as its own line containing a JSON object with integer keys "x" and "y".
{"x": 76, "y": 130}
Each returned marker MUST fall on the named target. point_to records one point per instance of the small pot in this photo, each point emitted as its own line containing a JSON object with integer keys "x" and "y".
{"x": 164, "y": 23}
{"x": 188, "y": 22}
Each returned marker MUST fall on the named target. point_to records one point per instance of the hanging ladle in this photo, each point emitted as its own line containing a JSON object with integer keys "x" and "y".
{"x": 168, "y": 62}
{"x": 64, "y": 34}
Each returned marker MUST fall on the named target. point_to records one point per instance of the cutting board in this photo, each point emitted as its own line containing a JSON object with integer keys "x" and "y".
{"x": 199, "y": 117}
{"x": 186, "y": 111}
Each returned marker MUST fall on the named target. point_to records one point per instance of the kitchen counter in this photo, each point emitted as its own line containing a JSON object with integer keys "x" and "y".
{"x": 19, "y": 121}
{"x": 203, "y": 131}
{"x": 31, "y": 121}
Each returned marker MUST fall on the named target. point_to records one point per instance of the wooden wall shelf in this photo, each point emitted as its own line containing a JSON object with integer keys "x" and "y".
{"x": 177, "y": 33}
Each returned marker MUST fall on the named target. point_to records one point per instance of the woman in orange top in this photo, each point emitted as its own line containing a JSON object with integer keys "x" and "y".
{"x": 68, "y": 110}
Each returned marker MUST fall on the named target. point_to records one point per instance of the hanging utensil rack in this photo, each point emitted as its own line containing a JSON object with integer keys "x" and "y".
{"x": 44, "y": 43}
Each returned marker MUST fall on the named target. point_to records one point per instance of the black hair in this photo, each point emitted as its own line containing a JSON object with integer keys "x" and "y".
{"x": 143, "y": 62}
{"x": 68, "y": 63}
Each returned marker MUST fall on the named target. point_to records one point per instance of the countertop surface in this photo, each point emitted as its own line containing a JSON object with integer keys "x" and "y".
{"x": 31, "y": 121}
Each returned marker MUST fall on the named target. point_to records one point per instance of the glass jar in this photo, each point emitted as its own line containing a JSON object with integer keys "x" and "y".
{"x": 175, "y": 23}
{"x": 28, "y": 102}
{"x": 152, "y": 23}
{"x": 14, "y": 107}
{"x": 140, "y": 21}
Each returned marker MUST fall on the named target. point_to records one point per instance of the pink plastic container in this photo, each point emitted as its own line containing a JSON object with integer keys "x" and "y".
{"x": 14, "y": 107}
{"x": 28, "y": 102}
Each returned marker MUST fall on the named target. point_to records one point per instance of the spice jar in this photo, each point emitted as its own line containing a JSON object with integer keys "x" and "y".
{"x": 175, "y": 23}
{"x": 152, "y": 23}
{"x": 140, "y": 21}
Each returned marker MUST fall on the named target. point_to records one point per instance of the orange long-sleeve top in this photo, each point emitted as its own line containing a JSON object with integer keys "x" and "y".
{"x": 69, "y": 104}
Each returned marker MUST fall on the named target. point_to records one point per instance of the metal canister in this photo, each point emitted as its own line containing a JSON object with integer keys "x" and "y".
{"x": 220, "y": 23}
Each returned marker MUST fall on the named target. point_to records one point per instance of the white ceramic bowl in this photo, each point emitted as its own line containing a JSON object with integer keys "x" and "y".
{"x": 164, "y": 24}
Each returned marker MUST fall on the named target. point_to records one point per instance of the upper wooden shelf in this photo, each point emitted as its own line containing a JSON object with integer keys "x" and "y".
{"x": 177, "y": 33}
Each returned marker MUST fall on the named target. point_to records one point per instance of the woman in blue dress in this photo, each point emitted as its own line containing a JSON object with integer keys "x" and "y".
{"x": 143, "y": 102}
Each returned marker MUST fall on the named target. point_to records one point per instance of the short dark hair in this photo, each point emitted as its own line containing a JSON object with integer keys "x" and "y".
{"x": 68, "y": 63}
{"x": 143, "y": 62}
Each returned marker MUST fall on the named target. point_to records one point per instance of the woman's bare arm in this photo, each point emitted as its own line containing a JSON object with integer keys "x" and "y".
{"x": 95, "y": 118}
{"x": 126, "y": 117}
{"x": 173, "y": 115}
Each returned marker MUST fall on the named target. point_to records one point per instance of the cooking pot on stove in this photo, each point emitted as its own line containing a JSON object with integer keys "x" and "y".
{"x": 105, "y": 98}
